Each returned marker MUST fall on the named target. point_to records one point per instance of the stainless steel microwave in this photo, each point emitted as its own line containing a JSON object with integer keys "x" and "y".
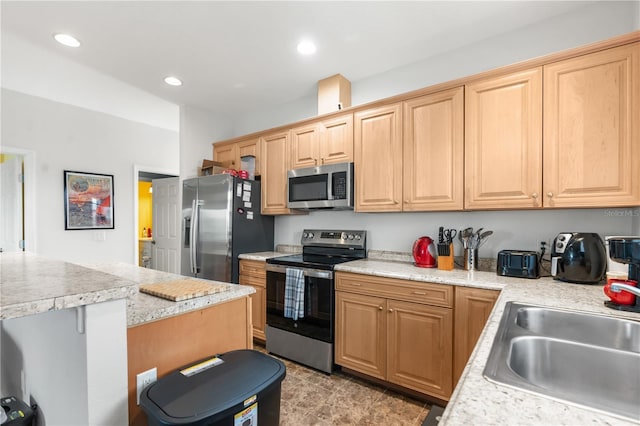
{"x": 322, "y": 187}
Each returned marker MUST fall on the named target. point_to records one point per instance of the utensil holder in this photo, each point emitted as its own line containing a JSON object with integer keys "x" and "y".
{"x": 470, "y": 260}
{"x": 445, "y": 263}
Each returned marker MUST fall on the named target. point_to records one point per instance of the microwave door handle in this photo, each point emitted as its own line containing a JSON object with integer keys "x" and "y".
{"x": 330, "y": 186}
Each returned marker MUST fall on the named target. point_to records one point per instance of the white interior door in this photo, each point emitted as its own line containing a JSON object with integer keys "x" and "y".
{"x": 11, "y": 203}
{"x": 165, "y": 246}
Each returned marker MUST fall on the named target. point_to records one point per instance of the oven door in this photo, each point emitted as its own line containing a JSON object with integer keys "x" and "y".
{"x": 317, "y": 322}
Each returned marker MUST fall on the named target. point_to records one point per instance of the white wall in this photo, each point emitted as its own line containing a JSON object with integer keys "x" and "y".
{"x": 512, "y": 229}
{"x": 66, "y": 137}
{"x": 75, "y": 377}
{"x": 199, "y": 128}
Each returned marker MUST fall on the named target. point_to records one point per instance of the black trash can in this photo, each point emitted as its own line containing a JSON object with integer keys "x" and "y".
{"x": 238, "y": 388}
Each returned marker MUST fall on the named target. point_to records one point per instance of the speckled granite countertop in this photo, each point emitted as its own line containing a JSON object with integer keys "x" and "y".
{"x": 142, "y": 308}
{"x": 261, "y": 256}
{"x": 32, "y": 284}
{"x": 476, "y": 400}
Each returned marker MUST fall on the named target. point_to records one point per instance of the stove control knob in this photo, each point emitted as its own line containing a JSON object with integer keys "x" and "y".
{"x": 350, "y": 236}
{"x": 305, "y": 235}
{"x": 358, "y": 237}
{"x": 310, "y": 235}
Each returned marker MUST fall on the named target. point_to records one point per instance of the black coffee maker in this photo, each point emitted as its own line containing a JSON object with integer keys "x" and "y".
{"x": 626, "y": 250}
{"x": 578, "y": 257}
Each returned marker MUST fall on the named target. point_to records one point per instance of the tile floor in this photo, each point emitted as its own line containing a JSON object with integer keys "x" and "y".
{"x": 310, "y": 397}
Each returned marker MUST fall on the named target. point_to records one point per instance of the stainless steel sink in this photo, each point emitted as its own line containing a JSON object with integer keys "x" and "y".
{"x": 584, "y": 359}
{"x": 580, "y": 327}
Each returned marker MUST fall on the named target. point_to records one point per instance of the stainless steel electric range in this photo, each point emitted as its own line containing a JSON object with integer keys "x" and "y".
{"x": 309, "y": 338}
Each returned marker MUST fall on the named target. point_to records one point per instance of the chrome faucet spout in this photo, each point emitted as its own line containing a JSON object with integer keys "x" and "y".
{"x": 618, "y": 287}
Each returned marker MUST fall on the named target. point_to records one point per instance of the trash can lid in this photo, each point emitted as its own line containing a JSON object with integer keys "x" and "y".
{"x": 211, "y": 386}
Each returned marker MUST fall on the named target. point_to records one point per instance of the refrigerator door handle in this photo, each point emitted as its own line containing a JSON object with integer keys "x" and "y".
{"x": 193, "y": 237}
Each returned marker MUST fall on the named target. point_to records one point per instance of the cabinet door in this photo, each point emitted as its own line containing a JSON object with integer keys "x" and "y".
{"x": 361, "y": 333}
{"x": 472, "y": 310}
{"x": 378, "y": 159}
{"x": 336, "y": 140}
{"x": 433, "y": 144}
{"x": 420, "y": 346}
{"x": 275, "y": 156}
{"x": 249, "y": 147}
{"x": 227, "y": 154}
{"x": 503, "y": 141}
{"x": 592, "y": 130}
{"x": 305, "y": 143}
{"x": 258, "y": 305}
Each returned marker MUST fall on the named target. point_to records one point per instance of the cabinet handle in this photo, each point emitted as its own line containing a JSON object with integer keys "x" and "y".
{"x": 549, "y": 194}
{"x": 379, "y": 308}
{"x": 390, "y": 310}
{"x": 322, "y": 160}
{"x": 421, "y": 293}
{"x": 395, "y": 202}
{"x": 534, "y": 195}
{"x": 315, "y": 161}
{"x": 356, "y": 284}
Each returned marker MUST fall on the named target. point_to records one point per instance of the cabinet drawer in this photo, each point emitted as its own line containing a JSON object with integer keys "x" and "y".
{"x": 252, "y": 281}
{"x": 392, "y": 288}
{"x": 254, "y": 268}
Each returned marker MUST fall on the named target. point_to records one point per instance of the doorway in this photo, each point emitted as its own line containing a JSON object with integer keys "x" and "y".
{"x": 147, "y": 212}
{"x": 17, "y": 200}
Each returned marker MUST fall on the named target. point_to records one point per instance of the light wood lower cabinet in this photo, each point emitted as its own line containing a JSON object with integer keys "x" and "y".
{"x": 386, "y": 329}
{"x": 472, "y": 309}
{"x": 253, "y": 273}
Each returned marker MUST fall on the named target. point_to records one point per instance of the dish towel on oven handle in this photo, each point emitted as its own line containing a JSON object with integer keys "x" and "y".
{"x": 294, "y": 293}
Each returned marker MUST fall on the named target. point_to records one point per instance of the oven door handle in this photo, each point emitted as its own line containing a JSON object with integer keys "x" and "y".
{"x": 308, "y": 272}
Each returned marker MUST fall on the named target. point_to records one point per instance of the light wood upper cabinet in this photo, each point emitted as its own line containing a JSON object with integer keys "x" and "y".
{"x": 592, "y": 129}
{"x": 378, "y": 158}
{"x": 275, "y": 154}
{"x": 472, "y": 309}
{"x": 305, "y": 146}
{"x": 503, "y": 141}
{"x": 336, "y": 139}
{"x": 226, "y": 153}
{"x": 433, "y": 141}
{"x": 324, "y": 142}
{"x": 249, "y": 147}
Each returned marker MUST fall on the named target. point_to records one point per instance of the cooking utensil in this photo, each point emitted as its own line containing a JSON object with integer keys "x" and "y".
{"x": 443, "y": 247}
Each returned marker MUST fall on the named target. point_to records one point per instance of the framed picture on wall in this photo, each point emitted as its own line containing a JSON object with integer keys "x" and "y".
{"x": 88, "y": 200}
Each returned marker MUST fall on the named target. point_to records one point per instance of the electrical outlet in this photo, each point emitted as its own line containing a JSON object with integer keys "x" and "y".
{"x": 143, "y": 380}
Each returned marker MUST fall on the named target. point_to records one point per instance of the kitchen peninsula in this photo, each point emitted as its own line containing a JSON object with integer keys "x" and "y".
{"x": 81, "y": 333}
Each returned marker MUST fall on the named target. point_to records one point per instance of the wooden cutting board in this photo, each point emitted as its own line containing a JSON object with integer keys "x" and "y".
{"x": 182, "y": 289}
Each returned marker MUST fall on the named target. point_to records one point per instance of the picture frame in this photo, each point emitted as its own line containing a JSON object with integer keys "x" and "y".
{"x": 88, "y": 201}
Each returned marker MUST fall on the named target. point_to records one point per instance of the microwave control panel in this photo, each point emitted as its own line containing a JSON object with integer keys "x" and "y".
{"x": 339, "y": 185}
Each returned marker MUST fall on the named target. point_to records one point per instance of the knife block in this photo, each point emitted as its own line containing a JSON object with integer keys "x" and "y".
{"x": 446, "y": 262}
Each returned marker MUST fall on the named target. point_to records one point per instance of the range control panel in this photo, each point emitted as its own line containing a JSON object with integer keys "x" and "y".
{"x": 333, "y": 238}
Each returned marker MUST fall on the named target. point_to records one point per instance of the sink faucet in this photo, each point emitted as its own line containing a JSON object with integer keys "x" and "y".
{"x": 618, "y": 287}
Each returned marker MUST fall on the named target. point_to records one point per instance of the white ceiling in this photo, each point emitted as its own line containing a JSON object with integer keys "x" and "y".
{"x": 241, "y": 56}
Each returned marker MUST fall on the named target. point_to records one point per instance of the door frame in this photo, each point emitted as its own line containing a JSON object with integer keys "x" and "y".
{"x": 137, "y": 168}
{"x": 30, "y": 207}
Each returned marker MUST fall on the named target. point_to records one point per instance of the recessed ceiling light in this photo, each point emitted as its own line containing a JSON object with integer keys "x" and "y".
{"x": 173, "y": 81}
{"x": 306, "y": 47}
{"x": 67, "y": 40}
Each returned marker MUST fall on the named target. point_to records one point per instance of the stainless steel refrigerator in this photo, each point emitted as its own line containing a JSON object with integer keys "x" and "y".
{"x": 220, "y": 220}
